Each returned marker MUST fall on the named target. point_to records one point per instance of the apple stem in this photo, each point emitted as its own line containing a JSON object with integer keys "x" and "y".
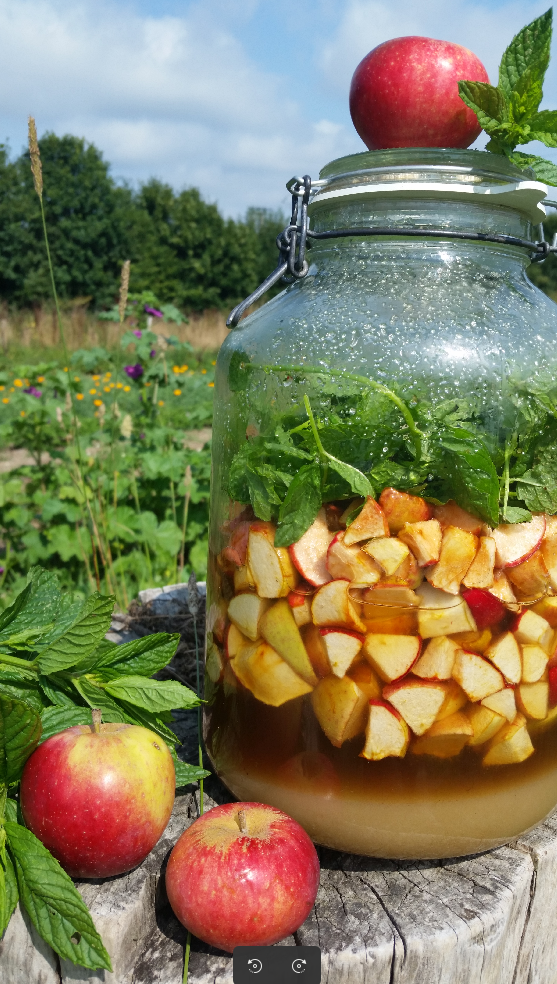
{"x": 241, "y": 818}
{"x": 96, "y": 714}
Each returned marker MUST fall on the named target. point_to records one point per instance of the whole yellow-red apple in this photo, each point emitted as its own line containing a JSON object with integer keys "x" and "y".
{"x": 99, "y": 799}
{"x": 404, "y": 93}
{"x": 243, "y": 874}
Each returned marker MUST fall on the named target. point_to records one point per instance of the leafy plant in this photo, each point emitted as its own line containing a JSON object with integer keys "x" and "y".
{"x": 55, "y": 667}
{"x": 509, "y": 112}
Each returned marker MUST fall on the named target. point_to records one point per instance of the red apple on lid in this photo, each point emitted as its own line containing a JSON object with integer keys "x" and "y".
{"x": 404, "y": 93}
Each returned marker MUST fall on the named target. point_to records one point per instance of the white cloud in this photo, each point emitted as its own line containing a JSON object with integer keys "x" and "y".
{"x": 177, "y": 97}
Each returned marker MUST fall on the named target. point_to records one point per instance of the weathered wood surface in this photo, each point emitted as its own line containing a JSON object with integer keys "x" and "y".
{"x": 488, "y": 919}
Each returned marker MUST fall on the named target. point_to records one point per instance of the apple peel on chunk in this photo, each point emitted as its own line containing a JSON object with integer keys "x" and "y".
{"x": 387, "y": 551}
{"x": 549, "y": 549}
{"x": 437, "y": 660}
{"x": 371, "y": 522}
{"x": 245, "y": 611}
{"x": 387, "y": 733}
{"x": 340, "y": 707}
{"x": 419, "y": 702}
{"x": 351, "y": 563}
{"x": 505, "y": 654}
{"x": 477, "y": 677}
{"x": 444, "y": 739}
{"x": 331, "y": 605}
{"x": 485, "y": 723}
{"x": 458, "y": 549}
{"x": 279, "y": 629}
{"x": 391, "y": 656}
{"x": 269, "y": 677}
{"x": 502, "y": 702}
{"x": 480, "y": 574}
{"x": 342, "y": 647}
{"x": 511, "y": 744}
{"x": 485, "y": 607}
{"x": 424, "y": 540}
{"x": 401, "y": 508}
{"x": 309, "y": 553}
{"x": 516, "y": 542}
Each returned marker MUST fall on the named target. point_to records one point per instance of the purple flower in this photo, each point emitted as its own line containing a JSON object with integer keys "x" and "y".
{"x": 134, "y": 372}
{"x": 153, "y": 311}
{"x": 2, "y": 569}
{"x": 153, "y": 353}
{"x": 142, "y": 437}
{"x": 33, "y": 391}
{"x": 137, "y": 333}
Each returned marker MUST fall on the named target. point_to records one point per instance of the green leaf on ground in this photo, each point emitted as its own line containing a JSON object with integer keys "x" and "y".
{"x": 153, "y": 695}
{"x": 20, "y": 731}
{"x": 53, "y": 903}
{"x": 81, "y": 638}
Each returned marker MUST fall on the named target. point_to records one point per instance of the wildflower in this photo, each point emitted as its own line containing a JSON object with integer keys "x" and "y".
{"x": 127, "y": 389}
{"x": 79, "y": 396}
{"x": 210, "y": 385}
{"x": 118, "y": 386}
{"x": 97, "y": 403}
{"x": 147, "y": 384}
{"x": 12, "y": 390}
{"x": 184, "y": 368}
{"x": 92, "y": 392}
{"x": 18, "y": 382}
{"x": 213, "y": 363}
{"x": 126, "y": 427}
{"x": 5, "y": 399}
{"x": 203, "y": 372}
{"x": 153, "y": 353}
{"x": 66, "y": 369}
{"x": 95, "y": 378}
{"x": 142, "y": 437}
{"x": 134, "y": 372}
{"x": 153, "y": 311}
{"x": 2, "y": 388}
{"x": 76, "y": 379}
{"x": 22, "y": 413}
{"x": 107, "y": 375}
{"x": 2, "y": 569}
{"x": 161, "y": 403}
{"x": 107, "y": 389}
{"x": 40, "y": 379}
{"x": 33, "y": 391}
{"x": 137, "y": 332}
{"x": 177, "y": 392}
{"x": 176, "y": 369}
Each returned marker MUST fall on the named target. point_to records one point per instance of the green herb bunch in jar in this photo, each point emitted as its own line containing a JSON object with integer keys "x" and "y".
{"x": 382, "y": 660}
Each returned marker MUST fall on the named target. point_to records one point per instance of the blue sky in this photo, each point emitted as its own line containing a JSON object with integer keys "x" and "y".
{"x": 231, "y": 96}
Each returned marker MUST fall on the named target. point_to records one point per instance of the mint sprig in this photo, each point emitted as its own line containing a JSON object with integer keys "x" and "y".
{"x": 509, "y": 112}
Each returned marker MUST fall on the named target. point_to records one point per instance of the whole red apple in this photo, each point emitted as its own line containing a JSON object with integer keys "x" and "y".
{"x": 244, "y": 874}
{"x": 404, "y": 93}
{"x": 99, "y": 800}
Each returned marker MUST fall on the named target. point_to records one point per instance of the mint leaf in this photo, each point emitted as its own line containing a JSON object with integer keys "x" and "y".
{"x": 300, "y": 506}
{"x": 469, "y": 474}
{"x": 145, "y": 719}
{"x": 514, "y": 514}
{"x": 152, "y": 695}
{"x": 10, "y": 810}
{"x": 528, "y": 50}
{"x": 537, "y": 487}
{"x": 12, "y": 685}
{"x": 95, "y": 697}
{"x": 82, "y": 636}
{"x": 357, "y": 481}
{"x": 525, "y": 99}
{"x": 10, "y": 614}
{"x": 9, "y": 895}
{"x": 56, "y": 692}
{"x": 53, "y": 903}
{"x": 188, "y": 773}
{"x": 20, "y": 730}
{"x": 56, "y": 719}
{"x": 39, "y": 607}
{"x": 488, "y": 103}
{"x": 141, "y": 657}
{"x": 543, "y": 127}
{"x": 544, "y": 170}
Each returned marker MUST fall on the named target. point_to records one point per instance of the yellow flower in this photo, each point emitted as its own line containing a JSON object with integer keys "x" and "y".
{"x": 119, "y": 386}
{"x": 184, "y": 368}
{"x": 6, "y": 399}
{"x": 107, "y": 389}
{"x": 98, "y": 403}
{"x": 12, "y": 390}
{"x": 210, "y": 384}
{"x": 79, "y": 396}
{"x": 66, "y": 369}
{"x": 127, "y": 389}
{"x": 176, "y": 369}
{"x": 22, "y": 413}
{"x": 2, "y": 388}
{"x": 203, "y": 372}
{"x": 161, "y": 403}
{"x": 92, "y": 392}
{"x": 177, "y": 392}
{"x": 147, "y": 384}
{"x": 95, "y": 378}
{"x": 18, "y": 382}
{"x": 76, "y": 379}
{"x": 213, "y": 363}
{"x": 40, "y": 379}
{"x": 107, "y": 375}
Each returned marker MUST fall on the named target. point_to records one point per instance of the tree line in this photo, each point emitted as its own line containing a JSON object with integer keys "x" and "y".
{"x": 180, "y": 246}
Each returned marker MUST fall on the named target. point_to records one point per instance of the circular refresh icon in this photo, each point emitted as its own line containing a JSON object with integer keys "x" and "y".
{"x": 299, "y": 966}
{"x": 255, "y": 965}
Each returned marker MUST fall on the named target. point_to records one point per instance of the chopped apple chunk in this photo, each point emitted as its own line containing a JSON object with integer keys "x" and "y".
{"x": 502, "y": 702}
{"x": 476, "y": 676}
{"x": 268, "y": 676}
{"x": 368, "y": 681}
{"x": 458, "y": 549}
{"x": 442, "y": 614}
{"x": 424, "y": 540}
{"x": 444, "y": 739}
{"x": 351, "y": 563}
{"x": 419, "y": 702}
{"x": 273, "y": 573}
{"x": 391, "y": 656}
{"x": 234, "y": 640}
{"x": 309, "y": 553}
{"x": 340, "y": 707}
{"x": 342, "y": 648}
{"x": 485, "y": 723}
{"x": 502, "y": 589}
{"x": 279, "y": 629}
{"x": 480, "y": 574}
{"x": 450, "y": 514}
{"x": 534, "y": 663}
{"x": 388, "y": 552}
{"x": 511, "y": 744}
{"x": 331, "y": 605}
{"x": 547, "y": 608}
{"x": 516, "y": 542}
{"x": 529, "y": 627}
{"x": 437, "y": 660}
{"x": 476, "y": 642}
{"x": 387, "y": 733}
{"x": 533, "y": 699}
{"x": 301, "y": 612}
{"x": 245, "y": 611}
{"x": 408, "y": 574}
{"x": 371, "y": 522}
{"x": 504, "y": 653}
{"x": 549, "y": 549}
{"x": 455, "y": 700}
{"x": 243, "y": 579}
{"x": 215, "y": 662}
{"x": 391, "y": 595}
{"x": 316, "y": 649}
{"x": 401, "y": 508}
{"x": 530, "y": 580}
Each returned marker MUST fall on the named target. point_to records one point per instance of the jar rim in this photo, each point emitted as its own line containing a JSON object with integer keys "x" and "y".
{"x": 438, "y": 158}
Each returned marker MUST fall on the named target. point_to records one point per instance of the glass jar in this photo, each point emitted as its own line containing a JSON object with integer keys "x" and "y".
{"x": 383, "y": 553}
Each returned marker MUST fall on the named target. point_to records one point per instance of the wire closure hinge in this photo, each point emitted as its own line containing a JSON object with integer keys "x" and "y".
{"x": 292, "y": 242}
